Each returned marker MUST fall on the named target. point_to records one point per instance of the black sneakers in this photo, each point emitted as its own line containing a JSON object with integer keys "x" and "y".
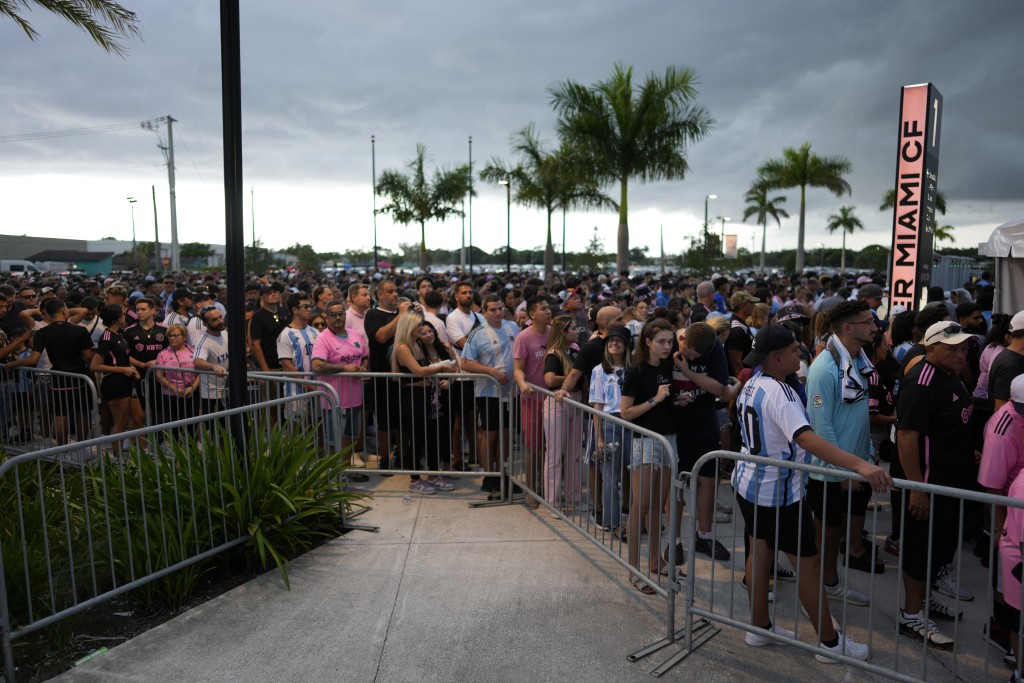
{"x": 712, "y": 548}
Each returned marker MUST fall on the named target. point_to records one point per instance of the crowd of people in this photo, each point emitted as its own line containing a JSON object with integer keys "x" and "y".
{"x": 806, "y": 369}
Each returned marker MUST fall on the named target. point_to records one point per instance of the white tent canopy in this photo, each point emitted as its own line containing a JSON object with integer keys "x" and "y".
{"x": 1006, "y": 246}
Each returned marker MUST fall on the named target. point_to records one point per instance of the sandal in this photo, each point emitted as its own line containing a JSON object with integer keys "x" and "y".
{"x": 640, "y": 585}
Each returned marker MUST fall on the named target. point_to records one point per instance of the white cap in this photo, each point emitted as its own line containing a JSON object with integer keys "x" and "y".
{"x": 1017, "y": 322}
{"x": 1017, "y": 393}
{"x": 945, "y": 332}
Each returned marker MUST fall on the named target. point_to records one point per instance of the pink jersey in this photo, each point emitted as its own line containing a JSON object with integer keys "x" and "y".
{"x": 1003, "y": 456}
{"x": 1009, "y": 545}
{"x": 348, "y": 350}
{"x": 532, "y": 347}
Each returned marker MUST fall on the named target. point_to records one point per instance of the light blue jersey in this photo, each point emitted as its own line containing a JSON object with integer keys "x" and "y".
{"x": 844, "y": 423}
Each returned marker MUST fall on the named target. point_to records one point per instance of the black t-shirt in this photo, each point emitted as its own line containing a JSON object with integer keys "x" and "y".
{"x": 64, "y": 344}
{"x": 146, "y": 345}
{"x": 12, "y": 320}
{"x": 113, "y": 349}
{"x": 939, "y": 407}
{"x": 695, "y": 408}
{"x": 590, "y": 356}
{"x": 912, "y": 353}
{"x": 1007, "y": 365}
{"x": 553, "y": 363}
{"x": 698, "y": 313}
{"x": 374, "y": 320}
{"x": 739, "y": 338}
{"x": 642, "y": 382}
{"x": 265, "y": 327}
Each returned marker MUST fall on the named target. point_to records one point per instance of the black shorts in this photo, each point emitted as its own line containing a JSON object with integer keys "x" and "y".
{"x": 832, "y": 507}
{"x": 71, "y": 401}
{"x": 383, "y": 395}
{"x": 692, "y": 446}
{"x": 945, "y": 533}
{"x": 788, "y": 528}
{"x": 491, "y": 413}
{"x": 116, "y": 387}
{"x": 462, "y": 397}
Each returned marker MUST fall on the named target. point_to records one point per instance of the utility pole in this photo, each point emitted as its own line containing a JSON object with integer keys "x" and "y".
{"x": 373, "y": 172}
{"x": 470, "y": 204}
{"x": 175, "y": 256}
{"x": 157, "y": 261}
{"x": 168, "y": 151}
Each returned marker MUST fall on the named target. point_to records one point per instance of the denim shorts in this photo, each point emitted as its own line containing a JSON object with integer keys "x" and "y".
{"x": 648, "y": 451}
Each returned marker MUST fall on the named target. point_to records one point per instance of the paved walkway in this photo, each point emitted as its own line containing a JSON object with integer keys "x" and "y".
{"x": 449, "y": 593}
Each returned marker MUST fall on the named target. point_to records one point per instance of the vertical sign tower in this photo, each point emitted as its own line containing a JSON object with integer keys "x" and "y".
{"x": 917, "y": 174}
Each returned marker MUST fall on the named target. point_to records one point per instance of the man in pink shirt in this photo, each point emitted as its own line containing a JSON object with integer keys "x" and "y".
{"x": 528, "y": 368}
{"x": 359, "y": 304}
{"x": 339, "y": 350}
{"x": 1002, "y": 461}
{"x": 1011, "y": 543}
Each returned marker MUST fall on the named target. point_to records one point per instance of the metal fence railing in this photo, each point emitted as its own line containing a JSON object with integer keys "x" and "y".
{"x": 719, "y": 596}
{"x": 609, "y": 479}
{"x": 77, "y": 532}
{"x": 43, "y": 408}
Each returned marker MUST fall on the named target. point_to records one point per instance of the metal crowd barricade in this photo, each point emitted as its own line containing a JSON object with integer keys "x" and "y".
{"x": 575, "y": 461}
{"x": 719, "y": 596}
{"x": 43, "y": 408}
{"x": 72, "y": 529}
{"x": 163, "y": 403}
{"x": 400, "y": 424}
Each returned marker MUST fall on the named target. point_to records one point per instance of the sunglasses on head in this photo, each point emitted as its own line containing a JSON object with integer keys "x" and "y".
{"x": 951, "y": 330}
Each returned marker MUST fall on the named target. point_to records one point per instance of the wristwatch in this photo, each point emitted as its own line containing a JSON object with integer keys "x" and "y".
{"x": 652, "y": 402}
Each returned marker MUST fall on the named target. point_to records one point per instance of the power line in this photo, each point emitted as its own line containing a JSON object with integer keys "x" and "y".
{"x": 109, "y": 128}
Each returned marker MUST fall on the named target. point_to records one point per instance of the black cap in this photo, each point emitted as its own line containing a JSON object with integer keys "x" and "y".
{"x": 769, "y": 338}
{"x": 201, "y": 294}
{"x": 272, "y": 287}
{"x": 621, "y": 332}
{"x": 182, "y": 293}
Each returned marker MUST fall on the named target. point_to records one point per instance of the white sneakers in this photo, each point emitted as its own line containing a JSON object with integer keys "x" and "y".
{"x": 846, "y": 646}
{"x": 758, "y": 640}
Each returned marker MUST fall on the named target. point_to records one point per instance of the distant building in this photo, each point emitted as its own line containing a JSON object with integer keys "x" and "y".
{"x": 92, "y": 262}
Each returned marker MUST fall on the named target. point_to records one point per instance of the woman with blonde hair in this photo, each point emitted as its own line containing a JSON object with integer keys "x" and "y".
{"x": 563, "y": 426}
{"x": 180, "y": 385}
{"x": 423, "y": 417}
{"x": 759, "y": 318}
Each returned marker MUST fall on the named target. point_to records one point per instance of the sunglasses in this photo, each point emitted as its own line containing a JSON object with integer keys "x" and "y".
{"x": 951, "y": 330}
{"x": 336, "y": 314}
{"x": 320, "y": 326}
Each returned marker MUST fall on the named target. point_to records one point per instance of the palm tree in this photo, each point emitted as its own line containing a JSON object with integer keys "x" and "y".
{"x": 414, "y": 200}
{"x": 632, "y": 133}
{"x": 846, "y": 221}
{"x": 764, "y": 207}
{"x": 889, "y": 201}
{"x": 944, "y": 233}
{"x": 105, "y": 22}
{"x": 800, "y": 168}
{"x": 545, "y": 180}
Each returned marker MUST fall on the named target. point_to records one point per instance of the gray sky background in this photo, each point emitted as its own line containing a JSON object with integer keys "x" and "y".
{"x": 318, "y": 78}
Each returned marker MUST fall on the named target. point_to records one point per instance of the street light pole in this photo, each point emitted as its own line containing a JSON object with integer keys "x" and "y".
{"x": 135, "y": 253}
{"x": 252, "y": 211}
{"x": 725, "y": 219}
{"x": 470, "y": 259}
{"x": 373, "y": 171}
{"x": 706, "y": 198}
{"x": 508, "y": 223}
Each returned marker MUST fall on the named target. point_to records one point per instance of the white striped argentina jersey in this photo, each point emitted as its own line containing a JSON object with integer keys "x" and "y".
{"x": 771, "y": 416}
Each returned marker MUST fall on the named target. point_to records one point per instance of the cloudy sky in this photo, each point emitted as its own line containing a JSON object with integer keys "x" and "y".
{"x": 320, "y": 77}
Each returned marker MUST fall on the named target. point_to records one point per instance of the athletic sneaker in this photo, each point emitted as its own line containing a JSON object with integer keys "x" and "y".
{"x": 724, "y": 507}
{"x": 782, "y": 574}
{"x": 758, "y": 640}
{"x": 846, "y": 646}
{"x": 422, "y": 486}
{"x": 712, "y": 548}
{"x": 937, "y": 608}
{"x": 950, "y": 587}
{"x": 846, "y": 593}
{"x": 722, "y": 517}
{"x": 917, "y": 627}
{"x": 440, "y": 483}
{"x": 892, "y": 546}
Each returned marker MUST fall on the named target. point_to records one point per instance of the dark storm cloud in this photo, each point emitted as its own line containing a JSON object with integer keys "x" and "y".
{"x": 320, "y": 78}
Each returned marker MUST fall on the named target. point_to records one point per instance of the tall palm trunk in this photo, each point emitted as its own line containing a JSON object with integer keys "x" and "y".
{"x": 622, "y": 245}
{"x": 764, "y": 233}
{"x": 800, "y": 234}
{"x": 842, "y": 256}
{"x": 423, "y": 246}
{"x": 549, "y": 252}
